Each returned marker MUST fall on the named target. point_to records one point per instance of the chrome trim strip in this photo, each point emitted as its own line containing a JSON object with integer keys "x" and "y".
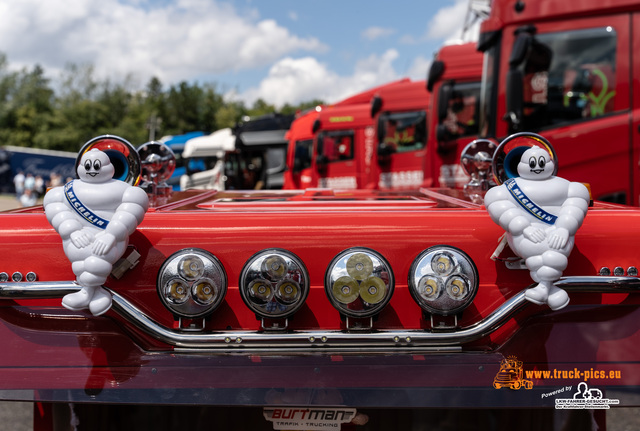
{"x": 318, "y": 340}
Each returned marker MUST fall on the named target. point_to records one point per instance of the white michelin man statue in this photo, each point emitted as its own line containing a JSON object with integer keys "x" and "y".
{"x": 94, "y": 215}
{"x": 540, "y": 214}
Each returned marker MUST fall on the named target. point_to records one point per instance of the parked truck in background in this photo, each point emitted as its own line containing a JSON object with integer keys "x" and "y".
{"x": 414, "y": 138}
{"x": 454, "y": 83}
{"x": 568, "y": 70}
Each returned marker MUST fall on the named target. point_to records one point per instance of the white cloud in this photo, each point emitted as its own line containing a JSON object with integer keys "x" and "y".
{"x": 419, "y": 68}
{"x": 300, "y": 80}
{"x": 178, "y": 41}
{"x": 448, "y": 22}
{"x": 373, "y": 33}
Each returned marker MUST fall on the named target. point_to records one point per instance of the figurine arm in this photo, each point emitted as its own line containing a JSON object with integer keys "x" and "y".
{"x": 571, "y": 215}
{"x": 510, "y": 216}
{"x": 63, "y": 219}
{"x": 127, "y": 217}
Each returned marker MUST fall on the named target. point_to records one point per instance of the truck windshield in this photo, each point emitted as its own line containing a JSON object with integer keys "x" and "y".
{"x": 568, "y": 76}
{"x": 403, "y": 131}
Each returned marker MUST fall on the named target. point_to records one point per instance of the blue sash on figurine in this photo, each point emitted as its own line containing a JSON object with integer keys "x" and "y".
{"x": 528, "y": 204}
{"x": 81, "y": 209}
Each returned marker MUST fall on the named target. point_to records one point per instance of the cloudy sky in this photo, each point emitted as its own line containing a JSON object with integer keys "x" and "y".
{"x": 283, "y": 51}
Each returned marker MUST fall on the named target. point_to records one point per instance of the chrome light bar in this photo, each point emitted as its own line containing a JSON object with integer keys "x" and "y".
{"x": 317, "y": 341}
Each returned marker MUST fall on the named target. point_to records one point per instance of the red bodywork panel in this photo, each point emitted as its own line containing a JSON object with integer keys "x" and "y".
{"x": 58, "y": 355}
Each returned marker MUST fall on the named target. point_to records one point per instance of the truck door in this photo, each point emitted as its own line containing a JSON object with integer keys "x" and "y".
{"x": 456, "y": 105}
{"x": 569, "y": 81}
{"x": 335, "y": 158}
{"x": 402, "y": 149}
{"x": 301, "y": 174}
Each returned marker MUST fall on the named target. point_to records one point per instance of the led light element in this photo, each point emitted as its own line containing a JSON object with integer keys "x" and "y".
{"x": 176, "y": 291}
{"x": 204, "y": 291}
{"x": 274, "y": 283}
{"x": 261, "y": 290}
{"x": 191, "y": 267}
{"x": 359, "y": 282}
{"x": 359, "y": 266}
{"x": 443, "y": 280}
{"x": 274, "y": 267}
{"x": 372, "y": 290}
{"x": 345, "y": 289}
{"x": 288, "y": 291}
{"x": 429, "y": 287}
{"x": 192, "y": 283}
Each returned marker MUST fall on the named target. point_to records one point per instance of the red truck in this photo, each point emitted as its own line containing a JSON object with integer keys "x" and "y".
{"x": 413, "y": 138}
{"x": 454, "y": 84}
{"x": 568, "y": 70}
{"x": 317, "y": 309}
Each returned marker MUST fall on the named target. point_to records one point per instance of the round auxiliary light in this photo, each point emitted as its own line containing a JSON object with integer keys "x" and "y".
{"x": 359, "y": 282}
{"x": 192, "y": 283}
{"x": 443, "y": 280}
{"x": 274, "y": 283}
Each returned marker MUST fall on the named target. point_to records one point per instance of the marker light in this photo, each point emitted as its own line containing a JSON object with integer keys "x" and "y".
{"x": 274, "y": 283}
{"x": 359, "y": 282}
{"x": 192, "y": 283}
{"x": 443, "y": 280}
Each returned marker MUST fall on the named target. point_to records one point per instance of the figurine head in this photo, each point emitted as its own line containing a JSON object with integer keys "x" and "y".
{"x": 95, "y": 167}
{"x": 535, "y": 164}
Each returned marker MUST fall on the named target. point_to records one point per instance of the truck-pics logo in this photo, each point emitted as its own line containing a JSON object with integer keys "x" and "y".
{"x": 510, "y": 375}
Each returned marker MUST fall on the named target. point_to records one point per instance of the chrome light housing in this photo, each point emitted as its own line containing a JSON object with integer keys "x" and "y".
{"x": 124, "y": 157}
{"x": 359, "y": 282}
{"x": 443, "y": 280}
{"x": 274, "y": 283}
{"x": 192, "y": 283}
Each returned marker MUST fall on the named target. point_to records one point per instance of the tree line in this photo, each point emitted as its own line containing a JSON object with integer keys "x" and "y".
{"x": 33, "y": 114}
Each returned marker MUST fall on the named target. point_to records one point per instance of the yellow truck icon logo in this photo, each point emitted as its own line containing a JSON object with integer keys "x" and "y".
{"x": 510, "y": 375}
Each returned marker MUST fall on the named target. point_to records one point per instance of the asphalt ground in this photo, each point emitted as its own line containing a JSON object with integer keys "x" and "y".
{"x": 8, "y": 202}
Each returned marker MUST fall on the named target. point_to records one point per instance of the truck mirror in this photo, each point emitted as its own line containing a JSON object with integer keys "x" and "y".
{"x": 376, "y": 105}
{"x": 514, "y": 99}
{"x": 384, "y": 151}
{"x": 520, "y": 48}
{"x": 446, "y": 139}
{"x": 443, "y": 101}
{"x": 435, "y": 72}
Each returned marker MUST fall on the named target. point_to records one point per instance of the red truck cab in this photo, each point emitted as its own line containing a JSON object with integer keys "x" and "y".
{"x": 454, "y": 84}
{"x": 299, "y": 173}
{"x": 400, "y": 114}
{"x": 344, "y": 147}
{"x": 568, "y": 70}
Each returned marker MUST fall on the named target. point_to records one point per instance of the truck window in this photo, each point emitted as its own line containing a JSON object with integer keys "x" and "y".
{"x": 302, "y": 155}
{"x": 569, "y": 76}
{"x": 403, "y": 131}
{"x": 335, "y": 146}
{"x": 462, "y": 110}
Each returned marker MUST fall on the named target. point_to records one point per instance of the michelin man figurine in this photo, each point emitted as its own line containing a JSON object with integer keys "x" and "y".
{"x": 94, "y": 215}
{"x": 540, "y": 214}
